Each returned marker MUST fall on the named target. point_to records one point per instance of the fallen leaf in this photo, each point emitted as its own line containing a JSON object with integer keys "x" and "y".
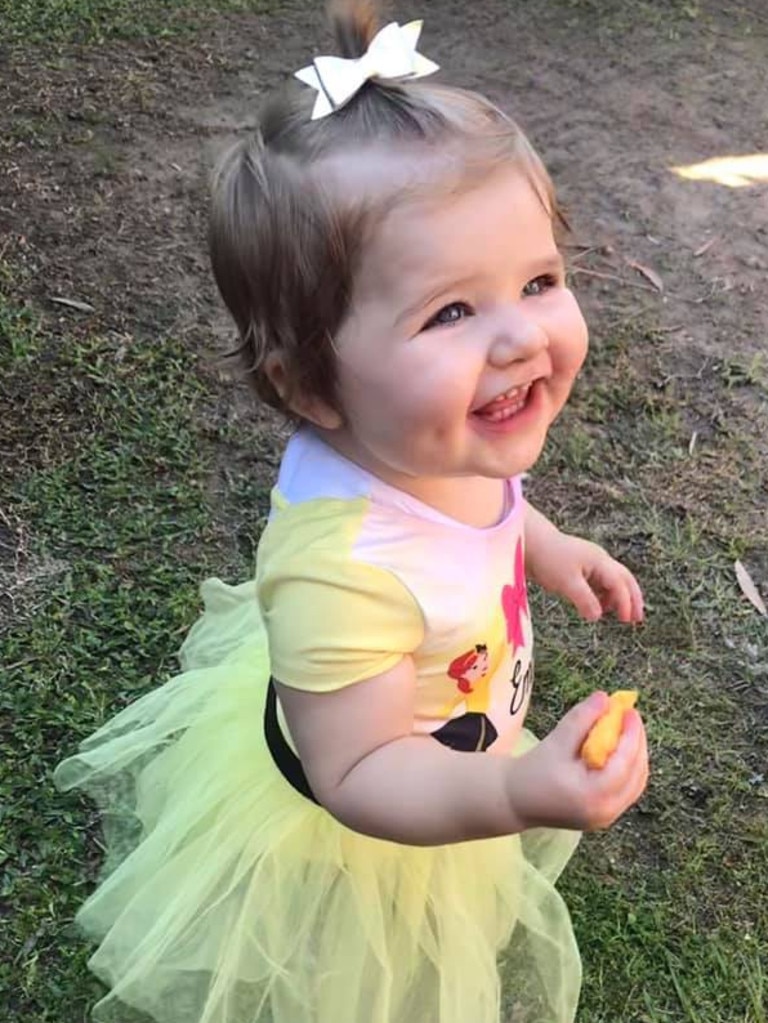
{"x": 749, "y": 589}
{"x": 72, "y": 303}
{"x": 705, "y": 247}
{"x": 650, "y": 275}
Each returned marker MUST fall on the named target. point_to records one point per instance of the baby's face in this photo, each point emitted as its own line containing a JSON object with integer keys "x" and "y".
{"x": 463, "y": 342}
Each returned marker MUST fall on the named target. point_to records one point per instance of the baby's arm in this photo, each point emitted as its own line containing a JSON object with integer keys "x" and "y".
{"x": 580, "y": 571}
{"x": 368, "y": 770}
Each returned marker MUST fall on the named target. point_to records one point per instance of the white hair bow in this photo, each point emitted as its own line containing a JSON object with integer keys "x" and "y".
{"x": 392, "y": 54}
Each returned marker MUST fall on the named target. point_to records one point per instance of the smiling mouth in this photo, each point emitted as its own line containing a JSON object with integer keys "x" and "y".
{"x": 505, "y": 405}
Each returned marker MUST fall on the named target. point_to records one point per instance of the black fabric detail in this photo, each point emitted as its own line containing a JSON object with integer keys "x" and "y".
{"x": 285, "y": 759}
{"x": 470, "y": 733}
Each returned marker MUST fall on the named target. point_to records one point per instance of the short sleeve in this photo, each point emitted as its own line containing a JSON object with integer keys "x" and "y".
{"x": 331, "y": 618}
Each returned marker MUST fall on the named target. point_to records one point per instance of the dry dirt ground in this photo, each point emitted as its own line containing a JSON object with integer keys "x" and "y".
{"x": 105, "y": 154}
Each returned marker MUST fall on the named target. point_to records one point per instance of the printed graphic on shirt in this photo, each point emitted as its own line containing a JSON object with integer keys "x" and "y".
{"x": 472, "y": 730}
{"x": 354, "y": 575}
{"x": 479, "y": 677}
{"x": 514, "y": 601}
{"x": 469, "y": 666}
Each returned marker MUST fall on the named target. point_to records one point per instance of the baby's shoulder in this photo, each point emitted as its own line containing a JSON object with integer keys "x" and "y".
{"x": 330, "y": 592}
{"x": 317, "y": 504}
{"x": 311, "y": 470}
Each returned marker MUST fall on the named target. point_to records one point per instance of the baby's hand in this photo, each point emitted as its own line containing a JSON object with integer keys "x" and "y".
{"x": 551, "y": 786}
{"x": 590, "y": 578}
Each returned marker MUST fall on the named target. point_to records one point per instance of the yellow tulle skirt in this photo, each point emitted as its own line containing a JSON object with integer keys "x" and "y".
{"x": 227, "y": 897}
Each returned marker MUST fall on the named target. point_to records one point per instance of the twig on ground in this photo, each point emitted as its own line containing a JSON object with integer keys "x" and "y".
{"x": 612, "y": 277}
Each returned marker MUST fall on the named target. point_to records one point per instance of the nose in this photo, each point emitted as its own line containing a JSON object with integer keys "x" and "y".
{"x": 517, "y": 337}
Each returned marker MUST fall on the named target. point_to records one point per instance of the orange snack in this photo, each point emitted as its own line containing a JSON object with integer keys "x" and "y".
{"x": 604, "y": 735}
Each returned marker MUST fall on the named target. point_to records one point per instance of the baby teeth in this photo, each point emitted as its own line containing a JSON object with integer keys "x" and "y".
{"x": 515, "y": 392}
{"x": 506, "y": 413}
{"x": 499, "y": 408}
{"x": 512, "y": 393}
{"x": 497, "y": 414}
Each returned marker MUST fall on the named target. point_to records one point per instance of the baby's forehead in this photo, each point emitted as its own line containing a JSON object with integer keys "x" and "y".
{"x": 383, "y": 180}
{"x": 410, "y": 188}
{"x": 414, "y": 205}
{"x": 370, "y": 175}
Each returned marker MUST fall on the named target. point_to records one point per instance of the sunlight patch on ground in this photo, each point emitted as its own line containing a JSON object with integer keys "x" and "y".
{"x": 733, "y": 171}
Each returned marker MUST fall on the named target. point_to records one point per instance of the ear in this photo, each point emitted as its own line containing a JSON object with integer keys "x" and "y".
{"x": 307, "y": 406}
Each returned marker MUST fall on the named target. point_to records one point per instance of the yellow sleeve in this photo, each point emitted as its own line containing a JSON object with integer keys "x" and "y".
{"x": 332, "y": 619}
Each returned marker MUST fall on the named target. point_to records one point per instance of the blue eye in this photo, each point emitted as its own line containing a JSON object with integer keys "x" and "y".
{"x": 539, "y": 285}
{"x": 454, "y": 312}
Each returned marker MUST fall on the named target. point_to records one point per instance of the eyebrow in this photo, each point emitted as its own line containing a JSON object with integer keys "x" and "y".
{"x": 550, "y": 264}
{"x": 554, "y": 264}
{"x": 427, "y": 298}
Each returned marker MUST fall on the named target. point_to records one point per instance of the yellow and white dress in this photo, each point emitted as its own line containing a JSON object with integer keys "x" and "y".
{"x": 229, "y": 895}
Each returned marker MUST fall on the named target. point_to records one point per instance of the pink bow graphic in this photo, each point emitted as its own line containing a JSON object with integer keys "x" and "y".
{"x": 514, "y": 601}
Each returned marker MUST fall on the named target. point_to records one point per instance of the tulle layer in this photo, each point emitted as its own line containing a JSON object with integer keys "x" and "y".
{"x": 230, "y": 898}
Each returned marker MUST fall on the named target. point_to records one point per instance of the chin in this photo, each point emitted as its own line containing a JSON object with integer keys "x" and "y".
{"x": 524, "y": 461}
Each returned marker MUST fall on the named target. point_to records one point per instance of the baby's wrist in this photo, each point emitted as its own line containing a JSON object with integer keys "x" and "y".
{"x": 518, "y": 797}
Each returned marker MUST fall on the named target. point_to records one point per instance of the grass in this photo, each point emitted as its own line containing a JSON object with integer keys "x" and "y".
{"x": 668, "y": 905}
{"x": 95, "y": 21}
{"x": 106, "y": 533}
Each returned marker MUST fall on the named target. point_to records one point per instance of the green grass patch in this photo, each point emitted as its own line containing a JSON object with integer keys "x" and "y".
{"x": 648, "y": 958}
{"x": 106, "y": 530}
{"x": 19, "y": 333}
{"x": 669, "y": 905}
{"x": 94, "y": 21}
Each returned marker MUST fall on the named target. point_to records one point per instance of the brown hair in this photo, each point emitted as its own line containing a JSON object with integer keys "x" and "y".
{"x": 285, "y": 246}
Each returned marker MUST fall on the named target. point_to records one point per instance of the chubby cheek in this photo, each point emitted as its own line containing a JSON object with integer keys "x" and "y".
{"x": 569, "y": 342}
{"x": 436, "y": 394}
{"x": 421, "y": 390}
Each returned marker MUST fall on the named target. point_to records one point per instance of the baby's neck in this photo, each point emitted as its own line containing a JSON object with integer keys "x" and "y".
{"x": 471, "y": 500}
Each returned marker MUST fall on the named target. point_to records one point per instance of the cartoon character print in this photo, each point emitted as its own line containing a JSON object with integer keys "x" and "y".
{"x": 468, "y": 667}
{"x": 474, "y": 731}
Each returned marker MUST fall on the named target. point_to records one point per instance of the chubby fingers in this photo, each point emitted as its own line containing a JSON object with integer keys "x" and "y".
{"x": 621, "y": 594}
{"x": 625, "y": 776}
{"x": 631, "y": 748}
{"x": 641, "y": 765}
{"x": 636, "y": 604}
{"x": 584, "y": 599}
